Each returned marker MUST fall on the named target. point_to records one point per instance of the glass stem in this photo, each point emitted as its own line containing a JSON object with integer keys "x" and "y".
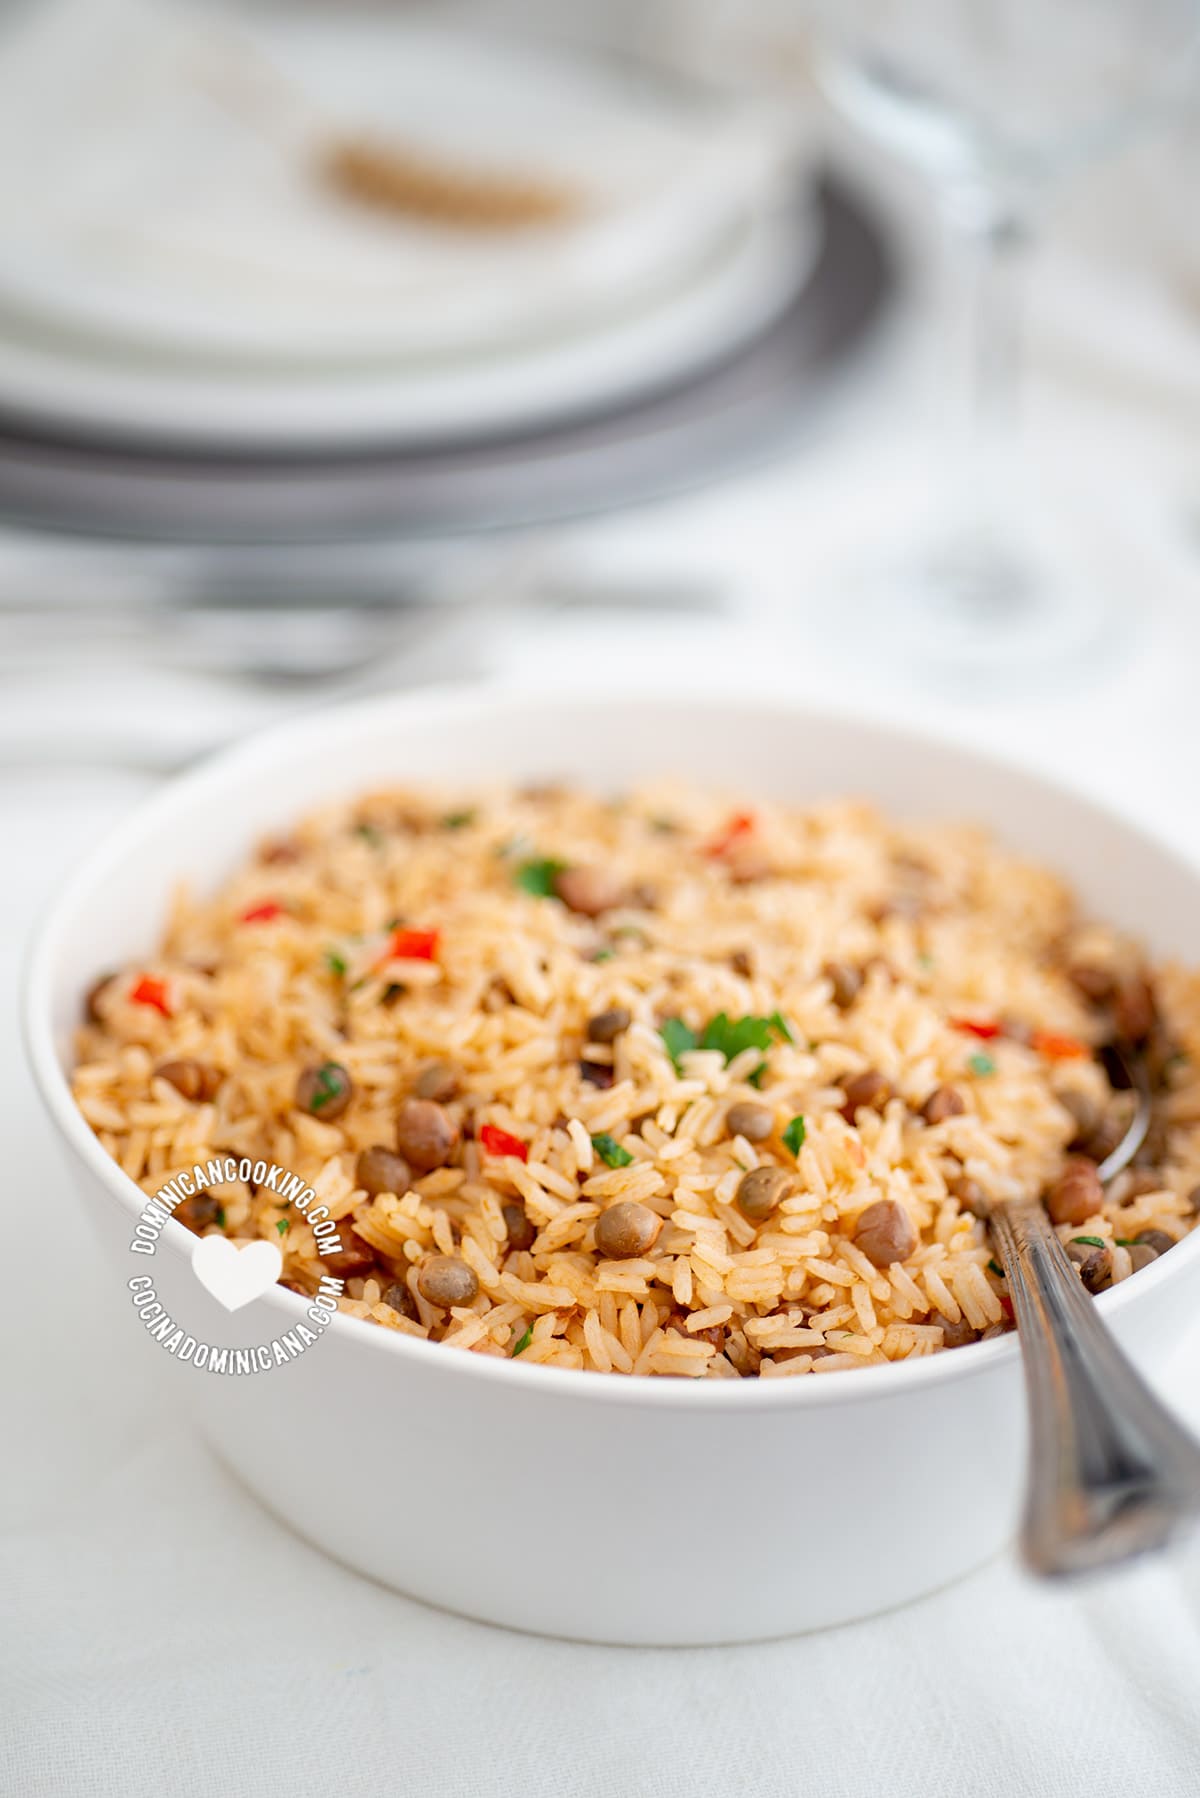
{"x": 990, "y": 241}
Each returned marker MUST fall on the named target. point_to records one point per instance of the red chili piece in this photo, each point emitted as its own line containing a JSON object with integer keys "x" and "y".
{"x": 499, "y": 1142}
{"x": 263, "y": 913}
{"x": 740, "y": 825}
{"x": 413, "y": 945}
{"x": 980, "y": 1027}
{"x": 149, "y": 991}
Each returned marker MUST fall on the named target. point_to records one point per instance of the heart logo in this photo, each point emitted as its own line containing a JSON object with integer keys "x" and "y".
{"x": 235, "y": 1276}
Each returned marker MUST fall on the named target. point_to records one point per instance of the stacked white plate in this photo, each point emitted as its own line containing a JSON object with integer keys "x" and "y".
{"x": 174, "y": 270}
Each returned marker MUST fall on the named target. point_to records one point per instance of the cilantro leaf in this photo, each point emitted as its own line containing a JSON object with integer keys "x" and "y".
{"x": 678, "y": 1038}
{"x": 459, "y": 820}
{"x": 538, "y": 877}
{"x": 369, "y": 834}
{"x": 794, "y": 1135}
{"x": 335, "y": 963}
{"x": 1093, "y": 1242}
{"x": 520, "y": 1346}
{"x": 610, "y": 1150}
{"x": 283, "y": 1226}
{"x": 331, "y": 1084}
{"x": 732, "y": 1035}
{"x": 780, "y": 1025}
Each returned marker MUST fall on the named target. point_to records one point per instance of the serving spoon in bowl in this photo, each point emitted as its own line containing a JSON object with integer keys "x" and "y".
{"x": 1112, "y": 1475}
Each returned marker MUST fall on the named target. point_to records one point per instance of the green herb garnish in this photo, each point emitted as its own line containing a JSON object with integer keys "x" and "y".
{"x": 678, "y": 1038}
{"x": 283, "y": 1226}
{"x": 610, "y": 1150}
{"x": 221, "y": 1216}
{"x": 732, "y": 1035}
{"x": 335, "y": 963}
{"x": 994, "y": 1267}
{"x": 538, "y": 877}
{"x": 603, "y": 955}
{"x": 981, "y": 1063}
{"x": 793, "y": 1136}
{"x": 1126, "y": 1242}
{"x": 369, "y": 834}
{"x": 925, "y": 961}
{"x": 459, "y": 820}
{"x": 1093, "y": 1242}
{"x": 663, "y": 827}
{"x": 328, "y": 1087}
{"x": 523, "y": 1344}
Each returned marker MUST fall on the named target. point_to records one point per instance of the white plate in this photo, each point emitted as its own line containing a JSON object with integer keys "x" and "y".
{"x": 747, "y": 282}
{"x": 179, "y": 213}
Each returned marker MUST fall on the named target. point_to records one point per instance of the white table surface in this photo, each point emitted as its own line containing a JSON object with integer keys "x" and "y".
{"x": 160, "y": 1633}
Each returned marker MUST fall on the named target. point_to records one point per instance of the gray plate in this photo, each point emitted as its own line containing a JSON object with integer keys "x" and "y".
{"x": 734, "y": 413}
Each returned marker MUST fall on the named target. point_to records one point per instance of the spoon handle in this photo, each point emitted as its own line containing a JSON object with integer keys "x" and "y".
{"x": 1111, "y": 1473}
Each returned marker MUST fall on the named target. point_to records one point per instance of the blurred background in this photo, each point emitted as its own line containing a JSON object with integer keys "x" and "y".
{"x": 848, "y": 347}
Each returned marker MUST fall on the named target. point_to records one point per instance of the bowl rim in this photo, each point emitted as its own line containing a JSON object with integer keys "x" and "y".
{"x": 263, "y": 749}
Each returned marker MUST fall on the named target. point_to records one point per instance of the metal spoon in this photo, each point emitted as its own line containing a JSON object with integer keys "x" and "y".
{"x": 1112, "y": 1475}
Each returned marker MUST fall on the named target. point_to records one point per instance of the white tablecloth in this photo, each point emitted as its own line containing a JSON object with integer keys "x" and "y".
{"x": 160, "y": 1633}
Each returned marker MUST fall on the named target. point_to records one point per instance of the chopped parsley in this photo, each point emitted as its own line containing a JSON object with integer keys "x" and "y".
{"x": 538, "y": 877}
{"x": 731, "y": 1036}
{"x": 981, "y": 1063}
{"x": 603, "y": 955}
{"x": 283, "y": 1226}
{"x": 369, "y": 834}
{"x": 221, "y": 1216}
{"x": 793, "y": 1136}
{"x": 330, "y": 1086}
{"x": 523, "y": 1343}
{"x": 610, "y": 1150}
{"x": 678, "y": 1038}
{"x": 1093, "y": 1242}
{"x": 459, "y": 820}
{"x": 335, "y": 963}
{"x": 994, "y": 1267}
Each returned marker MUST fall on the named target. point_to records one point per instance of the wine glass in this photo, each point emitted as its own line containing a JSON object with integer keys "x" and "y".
{"x": 997, "y": 102}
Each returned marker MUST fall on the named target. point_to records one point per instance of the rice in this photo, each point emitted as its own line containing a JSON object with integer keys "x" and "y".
{"x": 409, "y": 927}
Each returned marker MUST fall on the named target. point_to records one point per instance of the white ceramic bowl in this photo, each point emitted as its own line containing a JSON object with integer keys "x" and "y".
{"x": 588, "y": 1505}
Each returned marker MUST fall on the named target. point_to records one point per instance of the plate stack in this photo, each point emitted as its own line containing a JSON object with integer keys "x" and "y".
{"x": 220, "y": 322}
